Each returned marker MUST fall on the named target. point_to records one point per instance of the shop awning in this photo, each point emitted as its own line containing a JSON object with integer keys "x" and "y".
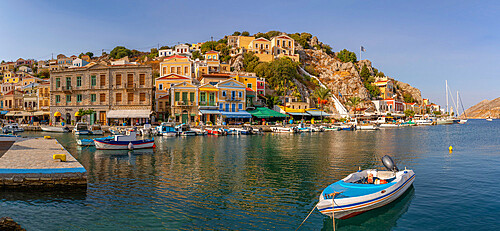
{"x": 122, "y": 114}
{"x": 41, "y": 113}
{"x": 264, "y": 113}
{"x": 12, "y": 113}
{"x": 298, "y": 114}
{"x": 3, "y": 112}
{"x": 317, "y": 113}
{"x": 239, "y": 114}
{"x": 57, "y": 114}
{"x": 206, "y": 112}
{"x": 24, "y": 113}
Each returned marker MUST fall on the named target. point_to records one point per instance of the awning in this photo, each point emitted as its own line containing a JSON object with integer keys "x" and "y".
{"x": 3, "y": 112}
{"x": 318, "y": 113}
{"x": 298, "y": 114}
{"x": 264, "y": 112}
{"x": 206, "y": 112}
{"x": 57, "y": 114}
{"x": 77, "y": 113}
{"x": 239, "y": 114}
{"x": 122, "y": 114}
{"x": 24, "y": 113}
{"x": 12, "y": 113}
{"x": 41, "y": 113}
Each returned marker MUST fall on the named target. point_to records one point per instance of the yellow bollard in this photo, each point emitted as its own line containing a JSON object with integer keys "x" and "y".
{"x": 450, "y": 148}
{"x": 61, "y": 157}
{"x": 47, "y": 137}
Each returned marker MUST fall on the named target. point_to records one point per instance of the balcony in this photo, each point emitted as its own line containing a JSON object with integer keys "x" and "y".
{"x": 204, "y": 103}
{"x": 184, "y": 103}
{"x": 67, "y": 89}
{"x": 233, "y": 99}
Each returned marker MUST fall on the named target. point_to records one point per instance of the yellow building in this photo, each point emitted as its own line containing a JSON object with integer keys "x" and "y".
{"x": 184, "y": 102}
{"x": 284, "y": 46}
{"x": 261, "y": 47}
{"x": 44, "y": 96}
{"x": 30, "y": 79}
{"x": 196, "y": 46}
{"x": 176, "y": 64}
{"x": 248, "y": 81}
{"x": 9, "y": 75}
{"x": 386, "y": 88}
{"x": 231, "y": 97}
{"x": 208, "y": 95}
{"x": 239, "y": 41}
{"x": 162, "y": 98}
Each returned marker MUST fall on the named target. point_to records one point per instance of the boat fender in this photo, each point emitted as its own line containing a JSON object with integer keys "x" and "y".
{"x": 370, "y": 178}
{"x": 130, "y": 146}
{"x": 389, "y": 163}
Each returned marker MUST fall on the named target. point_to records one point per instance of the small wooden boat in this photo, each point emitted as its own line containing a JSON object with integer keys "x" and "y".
{"x": 285, "y": 129}
{"x": 128, "y": 141}
{"x": 365, "y": 190}
{"x": 54, "y": 129}
{"x": 389, "y": 125}
{"x": 81, "y": 129}
{"x": 166, "y": 129}
{"x": 216, "y": 131}
{"x": 367, "y": 127}
{"x": 199, "y": 132}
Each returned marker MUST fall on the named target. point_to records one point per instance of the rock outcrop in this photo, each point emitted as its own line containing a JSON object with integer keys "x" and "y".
{"x": 404, "y": 88}
{"x": 484, "y": 109}
{"x": 8, "y": 224}
{"x": 236, "y": 63}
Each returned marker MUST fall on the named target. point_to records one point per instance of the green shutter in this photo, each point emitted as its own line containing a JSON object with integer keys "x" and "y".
{"x": 177, "y": 95}
{"x": 191, "y": 96}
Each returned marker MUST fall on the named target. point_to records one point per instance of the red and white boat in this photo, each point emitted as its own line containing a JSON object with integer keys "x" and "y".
{"x": 215, "y": 131}
{"x": 123, "y": 142}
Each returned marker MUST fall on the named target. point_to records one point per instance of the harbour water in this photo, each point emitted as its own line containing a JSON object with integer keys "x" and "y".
{"x": 272, "y": 181}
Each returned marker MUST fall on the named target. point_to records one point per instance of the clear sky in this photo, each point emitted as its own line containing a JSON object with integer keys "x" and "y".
{"x": 422, "y": 43}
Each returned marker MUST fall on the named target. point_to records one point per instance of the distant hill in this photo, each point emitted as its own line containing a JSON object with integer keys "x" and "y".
{"x": 484, "y": 109}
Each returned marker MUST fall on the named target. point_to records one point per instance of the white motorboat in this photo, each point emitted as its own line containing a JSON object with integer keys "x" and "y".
{"x": 424, "y": 122}
{"x": 199, "y": 132}
{"x": 96, "y": 130}
{"x": 54, "y": 129}
{"x": 444, "y": 121}
{"x": 184, "y": 130}
{"x": 166, "y": 129}
{"x": 365, "y": 190}
{"x": 389, "y": 125}
{"x": 285, "y": 129}
{"x": 489, "y": 119}
{"x": 367, "y": 127}
{"x": 81, "y": 128}
{"x": 12, "y": 128}
{"x": 463, "y": 121}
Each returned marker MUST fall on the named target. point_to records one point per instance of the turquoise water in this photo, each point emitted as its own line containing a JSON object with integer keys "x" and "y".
{"x": 271, "y": 182}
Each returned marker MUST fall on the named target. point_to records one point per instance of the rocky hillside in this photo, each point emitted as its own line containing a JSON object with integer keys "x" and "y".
{"x": 484, "y": 109}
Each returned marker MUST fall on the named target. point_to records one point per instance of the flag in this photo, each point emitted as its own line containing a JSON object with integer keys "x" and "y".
{"x": 363, "y": 49}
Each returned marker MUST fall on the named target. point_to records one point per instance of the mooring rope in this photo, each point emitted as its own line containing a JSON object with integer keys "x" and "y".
{"x": 306, "y": 217}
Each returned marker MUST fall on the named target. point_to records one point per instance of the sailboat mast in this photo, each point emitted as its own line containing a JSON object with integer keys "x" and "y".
{"x": 457, "y": 105}
{"x": 447, "y": 111}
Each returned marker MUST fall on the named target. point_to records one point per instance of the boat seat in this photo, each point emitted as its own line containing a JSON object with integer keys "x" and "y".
{"x": 385, "y": 175}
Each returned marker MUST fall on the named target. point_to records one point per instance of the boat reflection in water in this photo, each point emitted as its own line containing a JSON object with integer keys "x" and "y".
{"x": 121, "y": 153}
{"x": 383, "y": 218}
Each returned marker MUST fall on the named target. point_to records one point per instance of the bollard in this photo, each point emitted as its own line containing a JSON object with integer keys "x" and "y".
{"x": 61, "y": 157}
{"x": 450, "y": 148}
{"x": 47, "y": 137}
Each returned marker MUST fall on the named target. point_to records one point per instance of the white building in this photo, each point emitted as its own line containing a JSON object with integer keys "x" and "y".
{"x": 79, "y": 63}
{"x": 181, "y": 49}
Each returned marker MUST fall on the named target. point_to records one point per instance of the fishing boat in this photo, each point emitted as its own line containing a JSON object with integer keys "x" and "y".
{"x": 96, "y": 130}
{"x": 54, "y": 129}
{"x": 444, "y": 121}
{"x": 389, "y": 125}
{"x": 245, "y": 130}
{"x": 166, "y": 129}
{"x": 12, "y": 128}
{"x": 331, "y": 128}
{"x": 81, "y": 129}
{"x": 365, "y": 190}
{"x": 127, "y": 141}
{"x": 489, "y": 119}
{"x": 90, "y": 142}
{"x": 184, "y": 130}
{"x": 199, "y": 131}
{"x": 215, "y": 131}
{"x": 285, "y": 129}
{"x": 424, "y": 122}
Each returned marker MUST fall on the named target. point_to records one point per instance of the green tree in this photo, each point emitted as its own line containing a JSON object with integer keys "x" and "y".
{"x": 365, "y": 73}
{"x": 347, "y": 56}
{"x": 90, "y": 54}
{"x": 44, "y": 74}
{"x": 380, "y": 74}
{"x": 310, "y": 69}
{"x": 245, "y": 33}
{"x": 408, "y": 98}
{"x": 197, "y": 55}
{"x": 80, "y": 55}
{"x": 272, "y": 100}
{"x": 153, "y": 53}
{"x": 250, "y": 61}
{"x": 208, "y": 46}
{"x": 409, "y": 113}
{"x": 164, "y": 47}
{"x": 236, "y": 33}
{"x": 120, "y": 52}
{"x": 353, "y": 102}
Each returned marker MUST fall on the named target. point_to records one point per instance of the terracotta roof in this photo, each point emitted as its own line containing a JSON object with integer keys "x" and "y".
{"x": 164, "y": 97}
{"x": 262, "y": 39}
{"x": 177, "y": 56}
{"x": 249, "y": 89}
{"x": 215, "y": 75}
{"x": 211, "y": 52}
{"x": 173, "y": 76}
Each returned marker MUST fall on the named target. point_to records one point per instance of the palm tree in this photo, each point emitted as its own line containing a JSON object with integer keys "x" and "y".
{"x": 353, "y": 102}
{"x": 322, "y": 94}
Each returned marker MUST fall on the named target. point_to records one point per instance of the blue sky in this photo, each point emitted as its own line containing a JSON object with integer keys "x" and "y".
{"x": 422, "y": 43}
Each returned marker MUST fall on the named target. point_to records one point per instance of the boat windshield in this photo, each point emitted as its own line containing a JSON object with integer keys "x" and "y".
{"x": 81, "y": 127}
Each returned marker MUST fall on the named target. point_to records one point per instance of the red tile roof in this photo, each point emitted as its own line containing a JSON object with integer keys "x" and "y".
{"x": 173, "y": 76}
{"x": 212, "y": 52}
{"x": 177, "y": 56}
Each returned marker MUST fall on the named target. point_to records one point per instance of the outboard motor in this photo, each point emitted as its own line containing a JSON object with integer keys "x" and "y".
{"x": 389, "y": 163}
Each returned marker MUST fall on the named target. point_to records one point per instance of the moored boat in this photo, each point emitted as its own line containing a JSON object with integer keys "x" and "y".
{"x": 367, "y": 127}
{"x": 389, "y": 125}
{"x": 365, "y": 190}
{"x": 12, "y": 128}
{"x": 81, "y": 129}
{"x": 166, "y": 129}
{"x": 215, "y": 131}
{"x": 90, "y": 142}
{"x": 54, "y": 129}
{"x": 128, "y": 141}
{"x": 285, "y": 129}
{"x": 96, "y": 130}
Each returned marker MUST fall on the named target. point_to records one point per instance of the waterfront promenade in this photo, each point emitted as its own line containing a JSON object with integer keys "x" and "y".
{"x": 29, "y": 162}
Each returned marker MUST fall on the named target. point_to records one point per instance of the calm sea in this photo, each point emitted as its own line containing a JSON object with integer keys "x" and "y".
{"x": 272, "y": 181}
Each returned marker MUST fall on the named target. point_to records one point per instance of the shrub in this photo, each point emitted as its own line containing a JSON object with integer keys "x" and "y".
{"x": 347, "y": 56}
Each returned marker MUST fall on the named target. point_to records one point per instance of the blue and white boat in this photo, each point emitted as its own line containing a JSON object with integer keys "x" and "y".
{"x": 81, "y": 129}
{"x": 365, "y": 190}
{"x": 166, "y": 129}
{"x": 128, "y": 141}
{"x": 90, "y": 142}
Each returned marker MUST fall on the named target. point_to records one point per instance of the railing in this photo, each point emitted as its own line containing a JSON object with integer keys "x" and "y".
{"x": 184, "y": 103}
{"x": 204, "y": 103}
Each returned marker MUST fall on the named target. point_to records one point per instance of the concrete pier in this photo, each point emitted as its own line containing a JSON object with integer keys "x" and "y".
{"x": 28, "y": 162}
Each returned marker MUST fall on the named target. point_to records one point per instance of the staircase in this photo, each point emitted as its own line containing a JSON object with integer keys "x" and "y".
{"x": 341, "y": 110}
